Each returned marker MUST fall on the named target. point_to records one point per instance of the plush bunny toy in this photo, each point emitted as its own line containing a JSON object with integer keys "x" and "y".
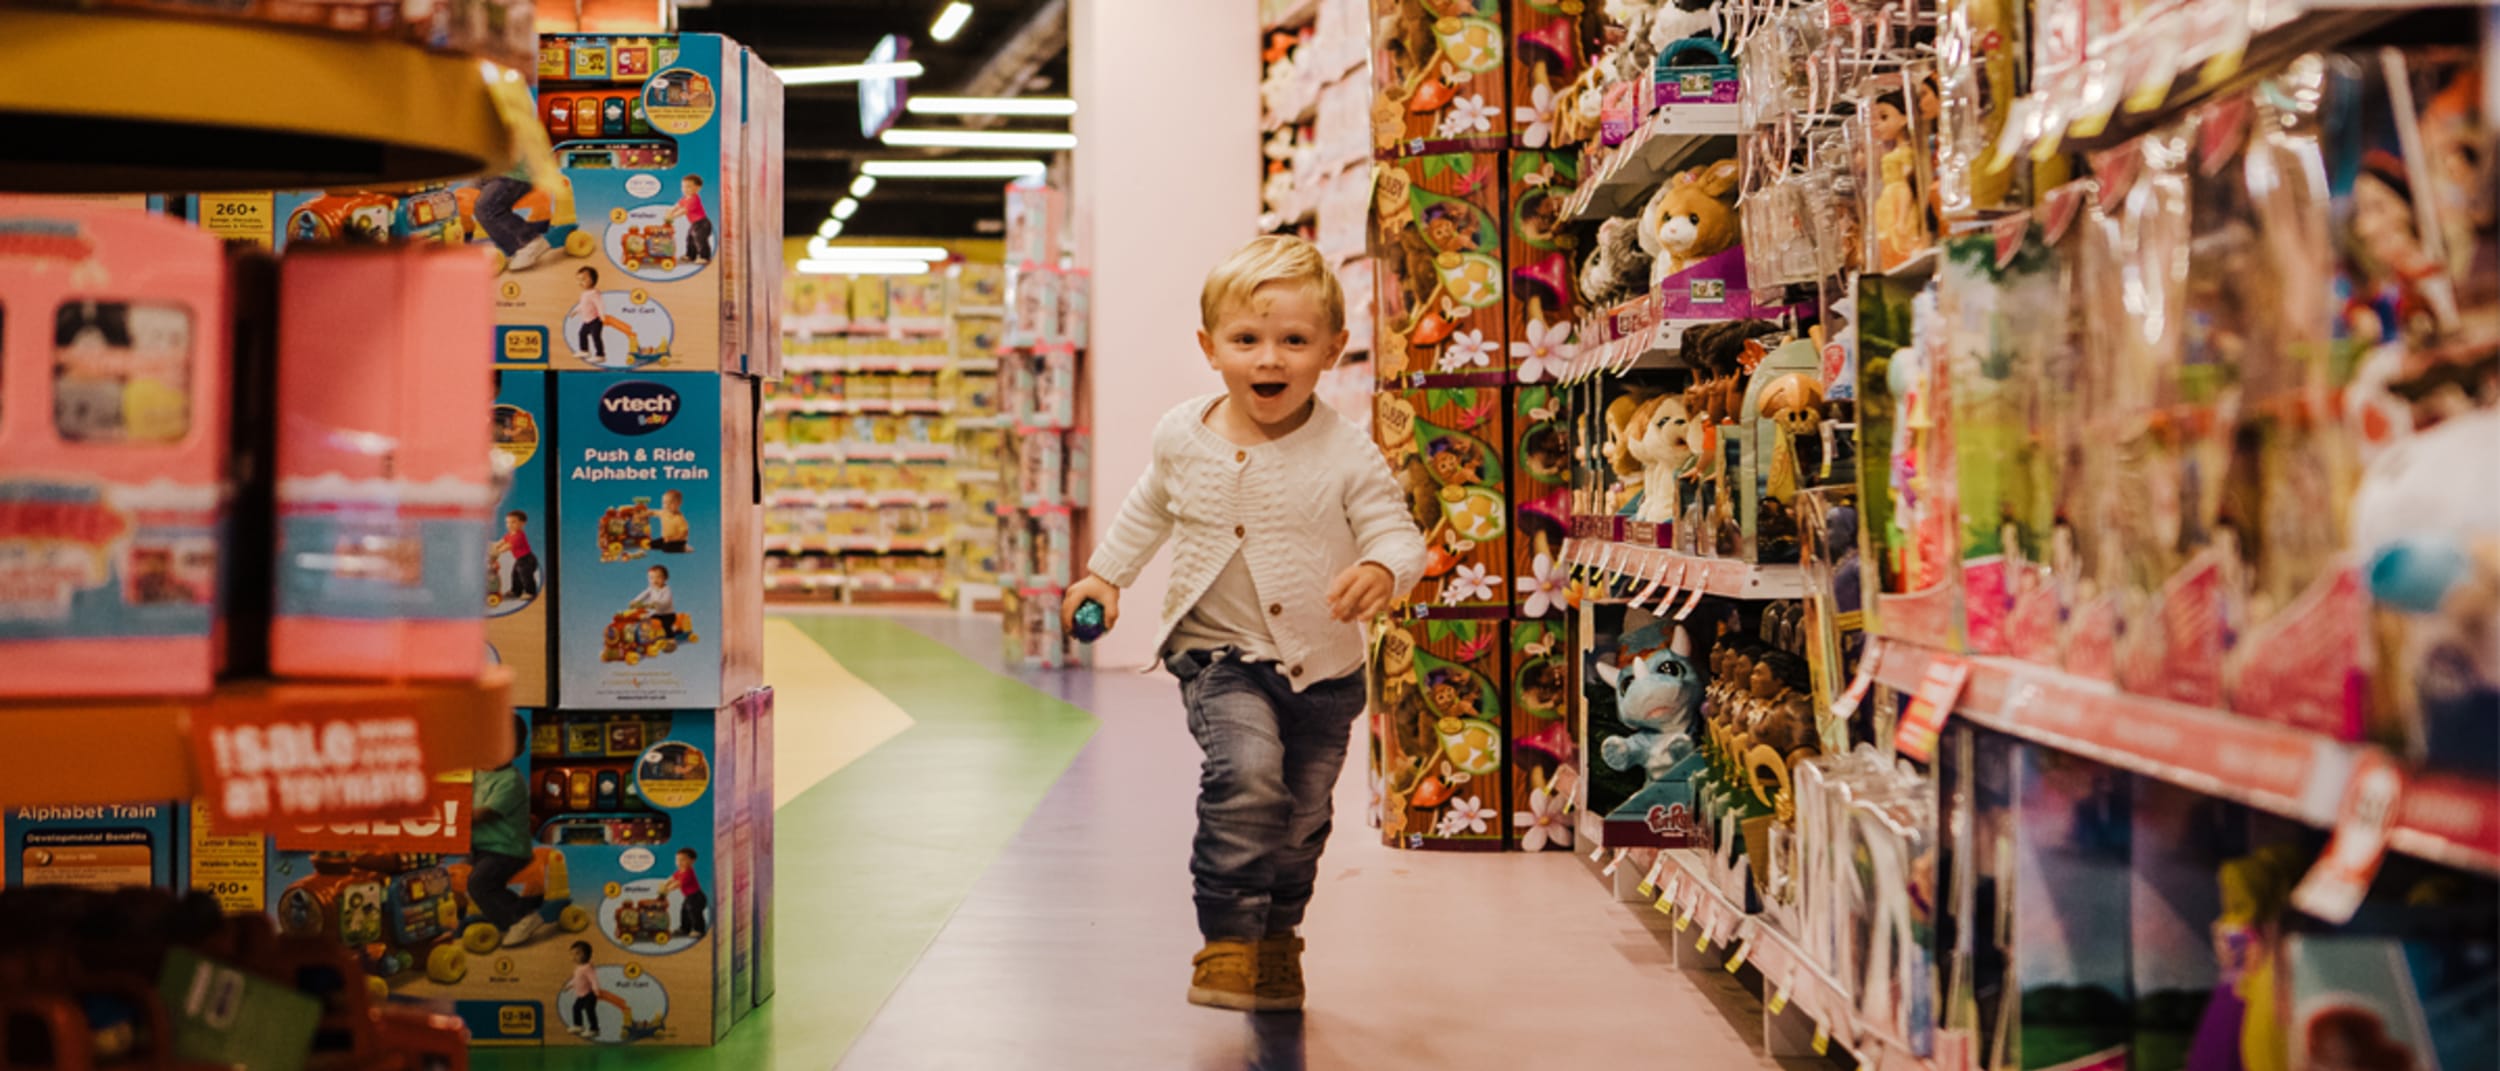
{"x": 1690, "y": 219}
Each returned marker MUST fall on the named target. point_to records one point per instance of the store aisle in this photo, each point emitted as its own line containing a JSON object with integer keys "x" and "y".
{"x": 975, "y": 873}
{"x": 1072, "y": 950}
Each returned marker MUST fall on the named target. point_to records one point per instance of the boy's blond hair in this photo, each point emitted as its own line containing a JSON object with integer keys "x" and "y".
{"x": 1274, "y": 258}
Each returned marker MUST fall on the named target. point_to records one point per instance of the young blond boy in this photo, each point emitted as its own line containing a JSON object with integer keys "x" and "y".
{"x": 1288, "y": 531}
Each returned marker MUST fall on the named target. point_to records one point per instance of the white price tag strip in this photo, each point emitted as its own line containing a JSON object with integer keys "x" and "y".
{"x": 1649, "y": 883}
{"x": 1779, "y": 996}
{"x": 1616, "y": 862}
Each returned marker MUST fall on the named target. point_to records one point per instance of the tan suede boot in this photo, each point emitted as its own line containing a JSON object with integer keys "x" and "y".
{"x": 1280, "y": 973}
{"x": 1226, "y": 975}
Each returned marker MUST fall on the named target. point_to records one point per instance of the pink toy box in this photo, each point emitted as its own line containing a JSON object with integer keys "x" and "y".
{"x": 113, "y": 446}
{"x": 383, "y": 472}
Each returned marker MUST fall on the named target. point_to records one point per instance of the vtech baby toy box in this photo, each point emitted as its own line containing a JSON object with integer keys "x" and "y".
{"x": 521, "y": 539}
{"x": 579, "y": 896}
{"x": 661, "y": 535}
{"x": 642, "y": 263}
{"x": 94, "y": 846}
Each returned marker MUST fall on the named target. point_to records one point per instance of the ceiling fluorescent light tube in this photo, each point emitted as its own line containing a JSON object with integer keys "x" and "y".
{"x": 979, "y": 139}
{"x": 1045, "y": 106}
{"x": 843, "y": 208}
{"x": 863, "y": 186}
{"x": 826, "y": 251}
{"x": 863, "y": 267}
{"x": 830, "y": 228}
{"x": 963, "y": 169}
{"x": 848, "y": 72}
{"x": 950, "y": 21}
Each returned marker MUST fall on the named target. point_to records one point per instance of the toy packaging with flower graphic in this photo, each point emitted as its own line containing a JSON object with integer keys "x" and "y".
{"x": 1438, "y": 236}
{"x": 1446, "y": 447}
{"x": 1439, "y": 716}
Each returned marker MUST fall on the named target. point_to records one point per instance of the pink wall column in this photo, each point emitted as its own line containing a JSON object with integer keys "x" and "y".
{"x": 1166, "y": 184}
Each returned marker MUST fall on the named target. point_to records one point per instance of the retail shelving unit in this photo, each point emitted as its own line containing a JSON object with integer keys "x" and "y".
{"x": 881, "y": 433}
{"x": 1960, "y": 637}
{"x": 118, "y": 788}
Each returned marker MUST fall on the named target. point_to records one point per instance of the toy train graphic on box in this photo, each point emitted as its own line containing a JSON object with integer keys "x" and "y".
{"x": 402, "y": 911}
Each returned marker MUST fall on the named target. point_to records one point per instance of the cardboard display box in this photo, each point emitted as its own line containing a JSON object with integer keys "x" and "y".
{"x": 521, "y": 584}
{"x": 1438, "y": 699}
{"x": 1439, "y": 264}
{"x": 656, "y": 217}
{"x": 656, "y": 486}
{"x": 609, "y": 803}
{"x": 1445, "y": 446}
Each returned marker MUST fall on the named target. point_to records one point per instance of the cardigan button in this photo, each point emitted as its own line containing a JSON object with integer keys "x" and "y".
{"x": 1241, "y": 455}
{"x": 1296, "y": 671}
{"x": 1275, "y": 608}
{"x": 1240, "y": 531}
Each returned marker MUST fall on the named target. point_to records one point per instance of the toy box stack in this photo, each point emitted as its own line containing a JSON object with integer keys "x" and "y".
{"x": 623, "y": 567}
{"x": 1478, "y": 307}
{"x": 1047, "y": 454}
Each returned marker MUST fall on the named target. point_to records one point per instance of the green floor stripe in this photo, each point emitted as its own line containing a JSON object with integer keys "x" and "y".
{"x": 872, "y": 862}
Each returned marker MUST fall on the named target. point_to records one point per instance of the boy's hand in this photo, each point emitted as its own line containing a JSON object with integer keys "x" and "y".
{"x": 1363, "y": 590}
{"x": 1097, "y": 589}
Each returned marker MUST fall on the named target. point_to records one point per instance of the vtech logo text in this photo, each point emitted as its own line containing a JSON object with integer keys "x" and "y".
{"x": 637, "y": 407}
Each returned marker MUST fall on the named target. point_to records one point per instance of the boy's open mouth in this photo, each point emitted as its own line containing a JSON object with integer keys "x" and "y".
{"x": 1267, "y": 390}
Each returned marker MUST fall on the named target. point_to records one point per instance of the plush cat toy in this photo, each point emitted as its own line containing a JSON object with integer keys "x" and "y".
{"x": 1618, "y": 267}
{"x": 1690, "y": 219}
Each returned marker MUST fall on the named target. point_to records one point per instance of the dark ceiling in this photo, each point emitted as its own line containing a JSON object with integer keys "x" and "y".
{"x": 824, "y": 145}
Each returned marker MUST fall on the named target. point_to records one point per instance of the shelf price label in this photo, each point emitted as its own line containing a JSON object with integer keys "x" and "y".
{"x": 291, "y": 768}
{"x": 1934, "y": 701}
{"x": 2334, "y": 887}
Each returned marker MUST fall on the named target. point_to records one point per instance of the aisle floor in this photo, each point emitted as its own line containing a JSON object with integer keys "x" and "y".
{"x": 999, "y": 879}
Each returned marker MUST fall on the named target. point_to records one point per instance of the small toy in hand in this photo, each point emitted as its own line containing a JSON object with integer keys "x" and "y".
{"x": 1089, "y": 624}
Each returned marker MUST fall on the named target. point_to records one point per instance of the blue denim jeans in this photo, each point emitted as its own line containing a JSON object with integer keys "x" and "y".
{"x": 1266, "y": 791}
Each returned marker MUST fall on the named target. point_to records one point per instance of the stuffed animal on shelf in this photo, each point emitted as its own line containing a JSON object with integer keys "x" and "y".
{"x": 1658, "y": 443}
{"x": 1617, "y": 268}
{"x": 1679, "y": 19}
{"x": 1690, "y": 219}
{"x": 1629, "y": 475}
{"x": 1657, "y": 684}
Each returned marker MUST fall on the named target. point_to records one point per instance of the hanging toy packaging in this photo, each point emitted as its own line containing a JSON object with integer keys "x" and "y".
{"x": 382, "y": 494}
{"x": 110, "y": 580}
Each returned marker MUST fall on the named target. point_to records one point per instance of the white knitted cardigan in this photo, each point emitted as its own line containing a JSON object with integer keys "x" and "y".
{"x": 1299, "y": 509}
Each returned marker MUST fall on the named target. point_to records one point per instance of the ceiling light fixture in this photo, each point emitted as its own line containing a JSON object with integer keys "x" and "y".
{"x": 979, "y": 139}
{"x": 955, "y": 169}
{"x": 829, "y": 228}
{"x": 950, "y": 21}
{"x": 843, "y": 208}
{"x": 817, "y": 250}
{"x": 1049, "y": 106}
{"x": 863, "y": 185}
{"x": 848, "y": 72}
{"x": 863, "y": 267}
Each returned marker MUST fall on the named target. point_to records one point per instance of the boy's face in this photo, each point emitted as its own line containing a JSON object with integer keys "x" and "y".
{"x": 659, "y": 579}
{"x": 684, "y": 862}
{"x": 672, "y": 502}
{"x": 586, "y": 280}
{"x": 1271, "y": 350}
{"x": 512, "y": 524}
